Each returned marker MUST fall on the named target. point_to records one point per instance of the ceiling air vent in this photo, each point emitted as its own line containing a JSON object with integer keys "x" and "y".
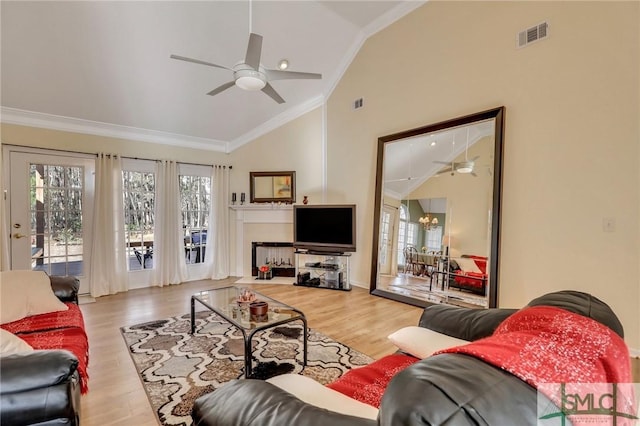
{"x": 533, "y": 34}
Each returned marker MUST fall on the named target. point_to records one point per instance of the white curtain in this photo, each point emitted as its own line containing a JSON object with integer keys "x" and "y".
{"x": 168, "y": 245}
{"x": 218, "y": 239}
{"x": 108, "y": 271}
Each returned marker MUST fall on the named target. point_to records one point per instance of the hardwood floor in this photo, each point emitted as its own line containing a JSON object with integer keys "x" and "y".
{"x": 116, "y": 395}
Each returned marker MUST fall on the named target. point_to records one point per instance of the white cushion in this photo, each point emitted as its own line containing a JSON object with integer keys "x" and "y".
{"x": 422, "y": 342}
{"x": 26, "y": 293}
{"x": 467, "y": 264}
{"x": 312, "y": 392}
{"x": 12, "y": 344}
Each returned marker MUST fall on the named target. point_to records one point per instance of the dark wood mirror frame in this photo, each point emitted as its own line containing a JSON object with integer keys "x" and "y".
{"x": 498, "y": 115}
{"x": 272, "y": 187}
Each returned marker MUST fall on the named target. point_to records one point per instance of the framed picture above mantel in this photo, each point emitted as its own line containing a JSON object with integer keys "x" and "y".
{"x": 272, "y": 187}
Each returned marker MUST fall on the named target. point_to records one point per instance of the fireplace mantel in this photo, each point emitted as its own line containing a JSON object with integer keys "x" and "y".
{"x": 264, "y": 206}
{"x": 257, "y": 214}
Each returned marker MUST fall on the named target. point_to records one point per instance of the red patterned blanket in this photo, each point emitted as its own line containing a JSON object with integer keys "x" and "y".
{"x": 367, "y": 384}
{"x": 545, "y": 345}
{"x": 57, "y": 330}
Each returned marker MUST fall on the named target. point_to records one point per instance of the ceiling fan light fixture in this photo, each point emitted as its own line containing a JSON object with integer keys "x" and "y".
{"x": 250, "y": 79}
{"x": 250, "y": 83}
{"x": 465, "y": 167}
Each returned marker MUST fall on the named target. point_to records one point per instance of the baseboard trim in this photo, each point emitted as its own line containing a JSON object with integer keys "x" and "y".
{"x": 634, "y": 353}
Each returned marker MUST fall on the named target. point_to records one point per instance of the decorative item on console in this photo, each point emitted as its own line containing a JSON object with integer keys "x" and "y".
{"x": 264, "y": 272}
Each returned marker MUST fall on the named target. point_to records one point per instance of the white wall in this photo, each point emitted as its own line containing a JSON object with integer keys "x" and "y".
{"x": 571, "y": 143}
{"x": 296, "y": 146}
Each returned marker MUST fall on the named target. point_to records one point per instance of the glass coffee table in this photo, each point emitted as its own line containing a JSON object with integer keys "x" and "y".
{"x": 224, "y": 302}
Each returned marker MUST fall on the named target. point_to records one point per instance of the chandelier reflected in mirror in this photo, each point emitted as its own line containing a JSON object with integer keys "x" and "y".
{"x": 427, "y": 221}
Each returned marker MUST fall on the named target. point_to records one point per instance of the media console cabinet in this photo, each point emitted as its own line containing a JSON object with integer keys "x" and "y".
{"x": 323, "y": 270}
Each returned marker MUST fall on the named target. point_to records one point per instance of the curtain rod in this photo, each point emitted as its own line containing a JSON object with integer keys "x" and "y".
{"x": 122, "y": 156}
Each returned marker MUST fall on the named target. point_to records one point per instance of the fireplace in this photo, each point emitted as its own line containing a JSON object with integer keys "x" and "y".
{"x": 277, "y": 255}
{"x": 259, "y": 222}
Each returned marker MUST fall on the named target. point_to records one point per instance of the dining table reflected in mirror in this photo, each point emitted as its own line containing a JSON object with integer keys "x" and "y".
{"x": 437, "y": 213}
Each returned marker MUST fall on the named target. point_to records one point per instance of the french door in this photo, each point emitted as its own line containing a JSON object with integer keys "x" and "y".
{"x": 387, "y": 224}
{"x": 51, "y": 210}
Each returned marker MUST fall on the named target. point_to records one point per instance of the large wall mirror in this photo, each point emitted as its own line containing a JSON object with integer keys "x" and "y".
{"x": 437, "y": 212}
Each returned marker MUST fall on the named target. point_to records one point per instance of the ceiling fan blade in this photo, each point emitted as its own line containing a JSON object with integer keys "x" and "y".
{"x": 254, "y": 50}
{"x": 400, "y": 179}
{"x": 221, "y": 88}
{"x": 290, "y": 75}
{"x": 444, "y": 171}
{"x": 443, "y": 162}
{"x": 197, "y": 61}
{"x": 474, "y": 174}
{"x": 272, "y": 93}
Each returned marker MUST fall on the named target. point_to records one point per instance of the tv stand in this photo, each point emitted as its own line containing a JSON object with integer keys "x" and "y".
{"x": 322, "y": 270}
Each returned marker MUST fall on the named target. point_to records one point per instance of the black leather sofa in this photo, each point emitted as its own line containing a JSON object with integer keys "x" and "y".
{"x": 42, "y": 387}
{"x": 445, "y": 389}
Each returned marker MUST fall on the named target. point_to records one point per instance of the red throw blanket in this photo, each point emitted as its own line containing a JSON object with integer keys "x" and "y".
{"x": 57, "y": 330}
{"x": 543, "y": 345}
{"x": 367, "y": 384}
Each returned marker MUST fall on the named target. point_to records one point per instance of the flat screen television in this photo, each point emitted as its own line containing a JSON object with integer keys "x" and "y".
{"x": 325, "y": 227}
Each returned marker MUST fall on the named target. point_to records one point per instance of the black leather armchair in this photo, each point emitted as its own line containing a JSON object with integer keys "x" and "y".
{"x": 445, "y": 389}
{"x": 42, "y": 387}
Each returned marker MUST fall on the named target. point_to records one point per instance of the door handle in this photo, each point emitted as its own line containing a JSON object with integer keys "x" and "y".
{"x": 18, "y": 236}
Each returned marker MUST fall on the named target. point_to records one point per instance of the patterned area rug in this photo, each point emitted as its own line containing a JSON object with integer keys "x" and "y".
{"x": 176, "y": 367}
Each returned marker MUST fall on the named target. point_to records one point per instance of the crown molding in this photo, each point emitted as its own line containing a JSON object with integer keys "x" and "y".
{"x": 77, "y": 125}
{"x": 277, "y": 121}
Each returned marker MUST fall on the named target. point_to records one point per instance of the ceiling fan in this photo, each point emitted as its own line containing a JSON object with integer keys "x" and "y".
{"x": 250, "y": 74}
{"x": 462, "y": 167}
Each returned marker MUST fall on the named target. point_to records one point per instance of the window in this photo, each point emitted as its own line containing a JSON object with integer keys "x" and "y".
{"x": 434, "y": 238}
{"x": 56, "y": 219}
{"x": 139, "y": 212}
{"x": 407, "y": 233}
{"x": 195, "y": 200}
{"x": 384, "y": 234}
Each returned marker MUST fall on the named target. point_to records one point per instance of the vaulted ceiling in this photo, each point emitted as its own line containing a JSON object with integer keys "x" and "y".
{"x": 104, "y": 67}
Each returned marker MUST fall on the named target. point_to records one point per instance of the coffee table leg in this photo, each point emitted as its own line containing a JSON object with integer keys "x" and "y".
{"x": 193, "y": 315}
{"x": 305, "y": 338}
{"x": 248, "y": 362}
